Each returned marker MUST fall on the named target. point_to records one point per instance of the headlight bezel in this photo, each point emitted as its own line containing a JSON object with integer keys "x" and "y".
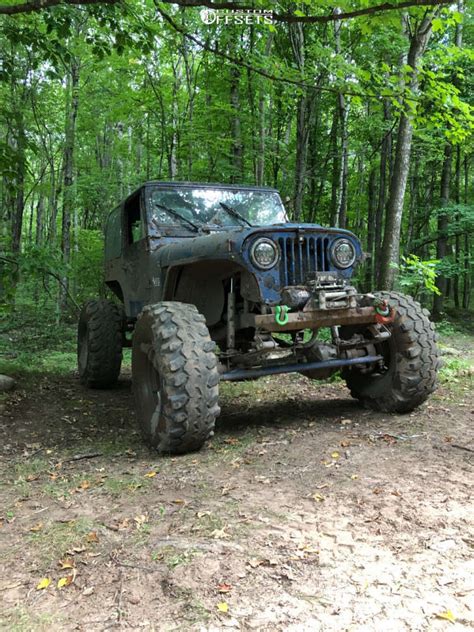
{"x": 336, "y": 244}
{"x": 254, "y": 246}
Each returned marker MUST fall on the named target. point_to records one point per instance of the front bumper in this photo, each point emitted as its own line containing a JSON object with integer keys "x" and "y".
{"x": 312, "y": 319}
{"x": 321, "y": 307}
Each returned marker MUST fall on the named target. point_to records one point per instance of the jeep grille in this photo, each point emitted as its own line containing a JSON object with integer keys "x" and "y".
{"x": 301, "y": 256}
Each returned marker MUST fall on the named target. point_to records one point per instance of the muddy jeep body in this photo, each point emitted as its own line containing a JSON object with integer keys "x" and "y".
{"x": 217, "y": 285}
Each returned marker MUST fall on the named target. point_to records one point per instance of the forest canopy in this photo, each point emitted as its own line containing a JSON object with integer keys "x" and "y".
{"x": 361, "y": 116}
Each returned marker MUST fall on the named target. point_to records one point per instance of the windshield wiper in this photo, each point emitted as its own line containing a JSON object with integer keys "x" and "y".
{"x": 178, "y": 215}
{"x": 235, "y": 213}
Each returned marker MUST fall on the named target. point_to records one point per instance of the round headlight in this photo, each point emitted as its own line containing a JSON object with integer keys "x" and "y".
{"x": 264, "y": 253}
{"x": 343, "y": 253}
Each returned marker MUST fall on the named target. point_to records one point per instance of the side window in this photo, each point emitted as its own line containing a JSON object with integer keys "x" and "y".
{"x": 133, "y": 221}
{"x": 113, "y": 235}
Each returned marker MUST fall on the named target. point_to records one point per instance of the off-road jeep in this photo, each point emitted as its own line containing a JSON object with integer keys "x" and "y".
{"x": 216, "y": 285}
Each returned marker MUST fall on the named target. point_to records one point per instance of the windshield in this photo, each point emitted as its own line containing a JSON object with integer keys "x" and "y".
{"x": 215, "y": 207}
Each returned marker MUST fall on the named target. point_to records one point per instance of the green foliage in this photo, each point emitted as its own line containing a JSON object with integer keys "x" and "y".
{"x": 87, "y": 265}
{"x": 416, "y": 275}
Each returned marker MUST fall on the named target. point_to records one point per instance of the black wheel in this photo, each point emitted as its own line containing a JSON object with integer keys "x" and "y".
{"x": 99, "y": 343}
{"x": 411, "y": 360}
{"x": 175, "y": 377}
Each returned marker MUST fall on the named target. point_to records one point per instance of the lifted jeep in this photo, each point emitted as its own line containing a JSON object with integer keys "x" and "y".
{"x": 216, "y": 285}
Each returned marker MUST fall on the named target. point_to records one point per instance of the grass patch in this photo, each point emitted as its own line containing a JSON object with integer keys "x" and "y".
{"x": 173, "y": 556}
{"x": 456, "y": 369}
{"x": 57, "y": 538}
{"x": 125, "y": 484}
{"x": 23, "y": 620}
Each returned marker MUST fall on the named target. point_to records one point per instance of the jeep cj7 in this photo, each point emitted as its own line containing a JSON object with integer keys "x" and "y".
{"x": 216, "y": 284}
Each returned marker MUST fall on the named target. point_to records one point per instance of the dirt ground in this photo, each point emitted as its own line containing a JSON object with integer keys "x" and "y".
{"x": 305, "y": 512}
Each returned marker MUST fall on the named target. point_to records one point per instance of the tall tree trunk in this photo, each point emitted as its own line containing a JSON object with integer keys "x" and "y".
{"x": 260, "y": 162}
{"x": 72, "y": 91}
{"x": 385, "y": 160}
{"x": 466, "y": 293}
{"x": 457, "y": 179}
{"x": 236, "y": 126}
{"x": 18, "y": 199}
{"x": 371, "y": 210}
{"x": 297, "y": 40}
{"x": 343, "y": 113}
{"x": 391, "y": 242}
{"x": 443, "y": 221}
{"x": 457, "y": 243}
{"x": 344, "y": 163}
{"x": 335, "y": 166}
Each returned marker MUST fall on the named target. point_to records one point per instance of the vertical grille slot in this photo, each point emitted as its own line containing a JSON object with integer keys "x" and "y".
{"x": 301, "y": 256}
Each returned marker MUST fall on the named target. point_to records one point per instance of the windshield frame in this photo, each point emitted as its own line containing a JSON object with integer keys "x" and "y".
{"x": 174, "y": 227}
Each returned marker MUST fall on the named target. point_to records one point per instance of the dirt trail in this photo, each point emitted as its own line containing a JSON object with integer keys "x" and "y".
{"x": 304, "y": 513}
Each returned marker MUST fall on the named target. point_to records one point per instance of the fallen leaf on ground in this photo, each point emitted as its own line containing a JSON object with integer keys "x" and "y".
{"x": 354, "y": 476}
{"x": 223, "y": 606}
{"x": 201, "y": 514}
{"x": 448, "y": 615}
{"x": 43, "y": 583}
{"x": 37, "y": 527}
{"x": 66, "y": 563}
{"x": 220, "y": 534}
{"x": 254, "y": 562}
{"x": 318, "y": 498}
{"x": 335, "y": 455}
{"x": 92, "y": 537}
{"x": 178, "y": 501}
{"x": 84, "y": 485}
{"x": 88, "y": 591}
{"x": 224, "y": 588}
{"x": 76, "y": 549}
{"x": 141, "y": 520}
{"x": 65, "y": 581}
{"x": 151, "y": 474}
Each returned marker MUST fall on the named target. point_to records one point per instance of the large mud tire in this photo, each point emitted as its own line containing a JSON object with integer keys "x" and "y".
{"x": 175, "y": 377}
{"x": 99, "y": 343}
{"x": 411, "y": 358}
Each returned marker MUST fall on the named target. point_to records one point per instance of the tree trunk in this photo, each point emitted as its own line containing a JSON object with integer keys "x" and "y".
{"x": 443, "y": 222}
{"x": 72, "y": 91}
{"x": 385, "y": 159}
{"x": 302, "y": 120}
{"x": 457, "y": 243}
{"x": 18, "y": 187}
{"x": 260, "y": 162}
{"x": 466, "y": 293}
{"x": 391, "y": 242}
{"x": 236, "y": 127}
{"x": 343, "y": 110}
{"x": 372, "y": 206}
{"x": 335, "y": 166}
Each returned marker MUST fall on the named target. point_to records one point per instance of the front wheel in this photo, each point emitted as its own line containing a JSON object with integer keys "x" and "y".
{"x": 411, "y": 360}
{"x": 175, "y": 377}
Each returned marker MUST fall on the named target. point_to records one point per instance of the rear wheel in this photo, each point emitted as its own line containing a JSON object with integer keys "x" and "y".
{"x": 99, "y": 343}
{"x": 175, "y": 377}
{"x": 411, "y": 360}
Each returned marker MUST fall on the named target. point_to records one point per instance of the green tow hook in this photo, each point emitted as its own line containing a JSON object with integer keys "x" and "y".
{"x": 381, "y": 307}
{"x": 281, "y": 314}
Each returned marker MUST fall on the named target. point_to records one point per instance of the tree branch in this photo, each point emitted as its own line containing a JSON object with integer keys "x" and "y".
{"x": 310, "y": 19}
{"x": 39, "y": 5}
